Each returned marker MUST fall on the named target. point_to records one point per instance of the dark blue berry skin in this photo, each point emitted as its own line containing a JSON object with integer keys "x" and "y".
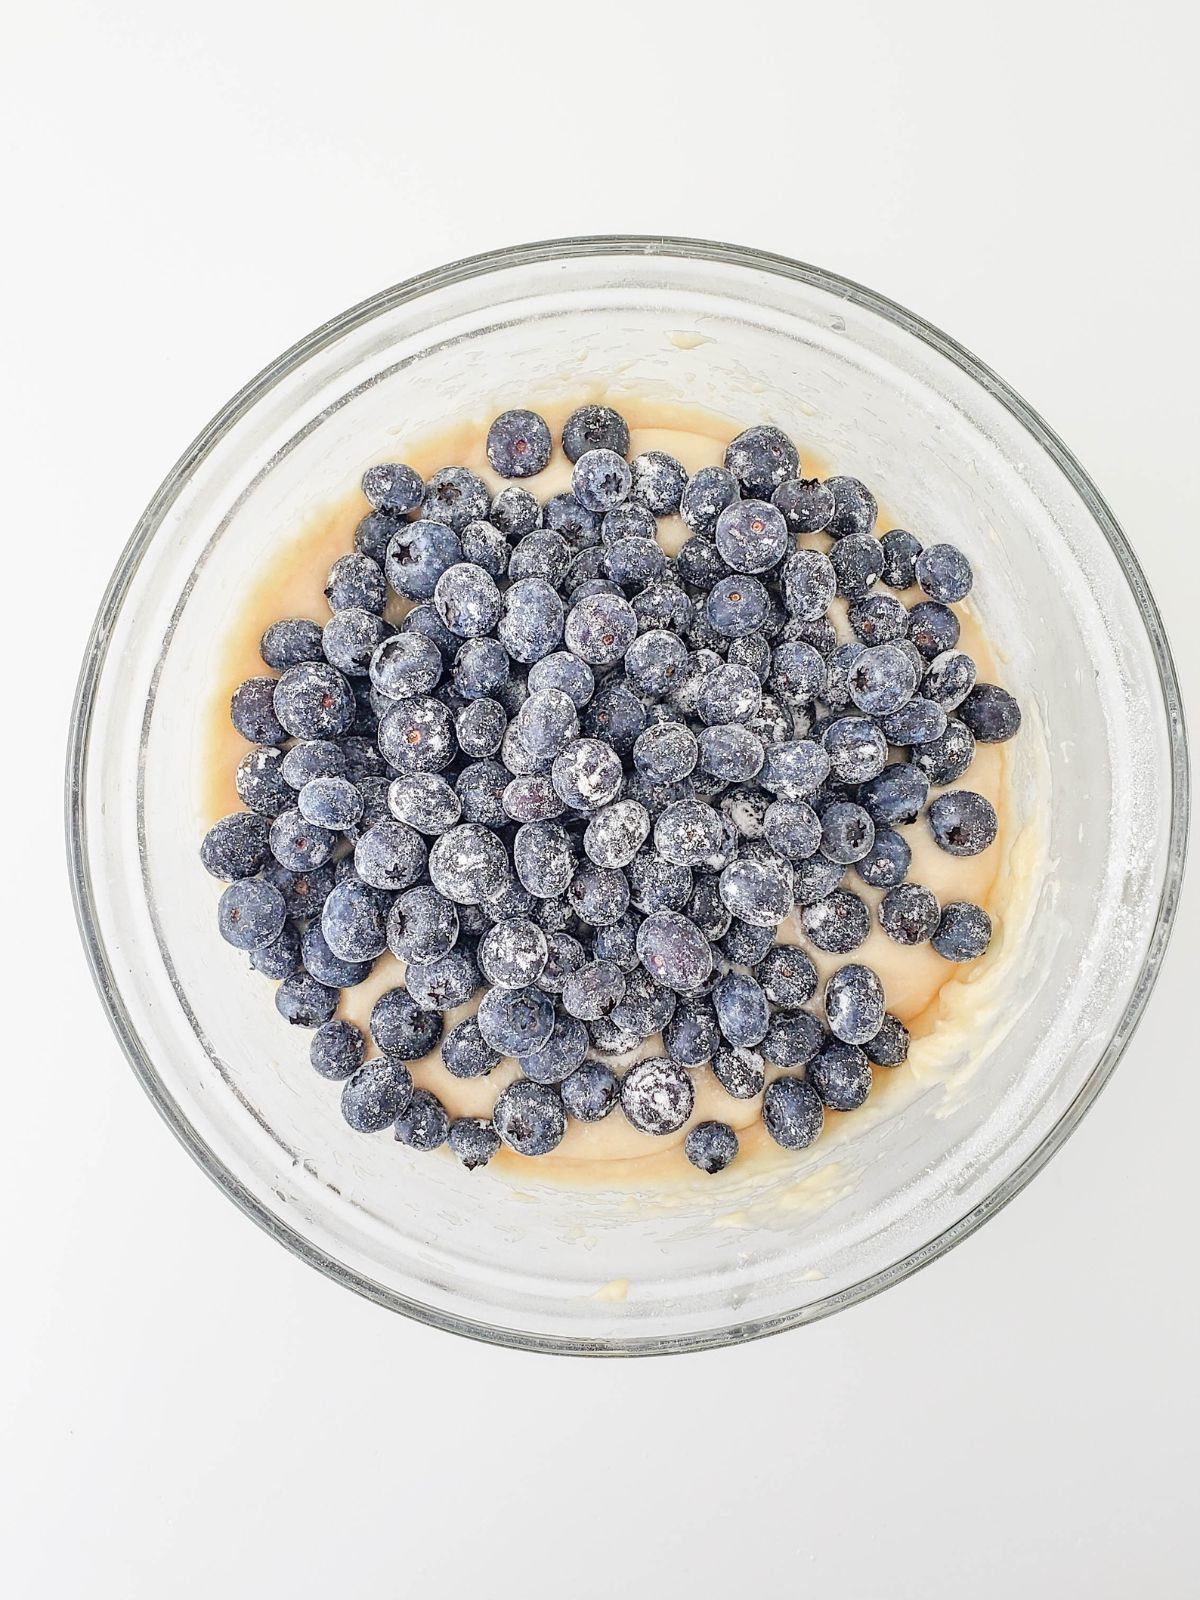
{"x": 944, "y": 573}
{"x": 599, "y": 895}
{"x": 741, "y": 1008}
{"x": 617, "y": 942}
{"x": 854, "y": 508}
{"x": 304, "y": 1002}
{"x": 707, "y": 494}
{"x": 792, "y": 1042}
{"x": 809, "y": 584}
{"x": 900, "y": 552}
{"x": 363, "y": 759}
{"x": 424, "y": 801}
{"x": 423, "y": 619}
{"x": 854, "y": 1005}
{"x": 919, "y": 722}
{"x": 591, "y": 1092}
{"x": 485, "y": 546}
{"x": 481, "y": 668}
{"x": 473, "y": 1141}
{"x": 847, "y": 832}
{"x": 546, "y": 723}
{"x": 529, "y": 1117}
{"x": 856, "y": 748}
{"x": 700, "y": 564}
{"x": 300, "y": 845}
{"x": 512, "y": 953}
{"x": 807, "y": 504}
{"x": 325, "y": 967}
{"x": 787, "y": 976}
{"x": 792, "y": 1113}
{"x": 356, "y": 583}
{"x": 838, "y": 924}
{"x": 354, "y": 921}
{"x": 516, "y": 1021}
{"x": 304, "y": 893}
{"x": 879, "y": 619}
{"x": 251, "y": 913}
{"x": 532, "y": 621}
{"x": 932, "y": 628}
{"x": 752, "y": 536}
{"x": 658, "y": 482}
{"x": 896, "y": 796}
{"x": 564, "y": 955}
{"x": 840, "y": 1076}
{"x": 260, "y": 782}
{"x": 375, "y": 1095}
{"x": 425, "y": 1124}
{"x": 754, "y": 652}
{"x": 333, "y": 803}
{"x": 560, "y": 1055}
{"x": 519, "y": 444}
{"x": 886, "y": 863}
{"x": 653, "y": 660}
{"x": 737, "y": 605}
{"x": 601, "y": 480}
{"x": 730, "y": 754}
{"x": 390, "y": 855}
{"x": 594, "y": 427}
{"x": 312, "y": 758}
{"x": 759, "y": 892}
{"x": 711, "y": 1146}
{"x": 253, "y": 712}
{"x": 374, "y": 792}
{"x": 674, "y": 951}
{"x": 587, "y": 774}
{"x": 314, "y": 701}
{"x": 657, "y": 1096}
{"x": 393, "y": 487}
{"x": 578, "y": 526}
{"x": 543, "y": 858}
{"x": 600, "y": 628}
{"x": 815, "y": 878}
{"x": 469, "y": 863}
{"x": 964, "y": 932}
{"x": 962, "y": 823}
{"x": 692, "y": 834}
{"x": 857, "y": 561}
{"x": 666, "y": 752}
{"x": 628, "y": 520}
{"x": 909, "y": 913}
{"x": 281, "y": 957}
{"x": 288, "y": 643}
{"x": 402, "y": 1029}
{"x": 889, "y": 1047}
{"x": 467, "y": 600}
{"x": 746, "y": 943}
{"x": 337, "y": 1049}
{"x": 794, "y": 769}
{"x": 692, "y": 1035}
{"x": 480, "y": 727}
{"x": 374, "y": 534}
{"x": 990, "y": 713}
{"x": 541, "y": 554}
{"x": 455, "y": 496}
{"x": 798, "y": 671}
{"x": 949, "y": 679}
{"x": 514, "y": 512}
{"x": 633, "y": 562}
{"x": 417, "y": 555}
{"x": 417, "y": 735}
{"x": 762, "y": 459}
{"x": 350, "y": 638}
{"x": 466, "y": 1053}
{"x": 947, "y": 757}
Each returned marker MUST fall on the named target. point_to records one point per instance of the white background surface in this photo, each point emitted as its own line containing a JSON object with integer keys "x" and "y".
{"x": 186, "y": 1410}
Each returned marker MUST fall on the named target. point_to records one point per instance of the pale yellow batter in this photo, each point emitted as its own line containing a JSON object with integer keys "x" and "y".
{"x": 922, "y": 989}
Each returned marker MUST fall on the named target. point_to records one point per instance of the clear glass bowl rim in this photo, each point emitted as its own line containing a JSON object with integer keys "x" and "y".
{"x": 545, "y": 253}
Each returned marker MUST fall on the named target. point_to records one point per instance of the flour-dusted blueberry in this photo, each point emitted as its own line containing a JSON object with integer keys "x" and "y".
{"x": 932, "y": 628}
{"x": 658, "y": 481}
{"x": 424, "y": 1124}
{"x": 484, "y": 546}
{"x": 615, "y": 834}
{"x": 616, "y": 716}
{"x": 666, "y": 752}
{"x": 542, "y": 554}
{"x": 514, "y": 512}
{"x": 532, "y": 621}
{"x": 794, "y": 769}
{"x": 513, "y": 900}
{"x": 303, "y": 1002}
{"x": 809, "y": 584}
{"x": 886, "y": 863}
{"x": 558, "y": 1056}
{"x": 600, "y": 628}
{"x": 579, "y": 527}
{"x": 473, "y": 1140}
{"x": 963, "y": 823}
{"x": 598, "y": 895}
{"x": 854, "y": 1003}
{"x": 354, "y": 921}
{"x": 856, "y": 748}
{"x": 628, "y": 521}
{"x": 424, "y": 801}
{"x": 752, "y": 536}
{"x": 838, "y": 924}
{"x": 337, "y": 1049}
{"x": 393, "y": 487}
{"x": 401, "y": 1029}
{"x": 878, "y": 619}
{"x": 854, "y": 508}
{"x": 591, "y": 992}
{"x": 737, "y": 605}
{"x": 511, "y": 954}
{"x": 706, "y": 908}
{"x": 746, "y": 943}
{"x": 743, "y": 1014}
{"x": 324, "y": 965}
{"x": 466, "y": 1053}
{"x": 587, "y": 774}
{"x": 422, "y": 925}
{"x": 792, "y": 1113}
{"x": 529, "y": 1117}
{"x": 949, "y": 679}
{"x": 759, "y": 892}
{"x": 944, "y": 573}
{"x": 653, "y": 659}
{"x": 280, "y": 956}
{"x": 304, "y": 892}
{"x": 745, "y": 809}
{"x": 480, "y": 727}
{"x": 752, "y": 651}
{"x": 260, "y": 782}
{"x": 390, "y": 855}
{"x": 729, "y": 693}
{"x": 417, "y": 735}
{"x": 594, "y": 427}
{"x": 250, "y": 914}
{"x": 333, "y": 803}
{"x": 711, "y": 1146}
{"x": 889, "y": 1047}
{"x": 881, "y": 679}
{"x": 847, "y": 832}
{"x": 519, "y": 444}
{"x": 691, "y": 834}
{"x": 565, "y": 674}
{"x": 793, "y": 1041}
{"x": 700, "y": 563}
{"x": 532, "y": 798}
{"x": 417, "y": 555}
{"x": 857, "y": 562}
{"x": 841, "y": 1076}
{"x": 990, "y": 713}
{"x": 947, "y": 757}
{"x": 814, "y": 878}
{"x": 404, "y": 665}
{"x": 964, "y": 932}
{"x": 730, "y": 754}
{"x": 807, "y": 504}
{"x": 455, "y": 496}
{"x": 896, "y": 796}
{"x": 761, "y": 459}
{"x": 591, "y": 1092}
{"x": 692, "y": 1035}
{"x": 707, "y": 493}
{"x": 313, "y": 701}
{"x": 516, "y": 1021}
{"x": 376, "y": 1094}
{"x": 919, "y": 722}
{"x": 467, "y": 600}
{"x": 253, "y": 712}
{"x": 617, "y": 942}
{"x": 787, "y": 976}
{"x": 480, "y": 788}
{"x": 481, "y": 669}
{"x": 674, "y": 951}
{"x": 300, "y": 845}
{"x": 468, "y": 864}
{"x": 657, "y": 1096}
{"x": 356, "y": 583}
{"x": 601, "y": 479}
{"x": 797, "y": 671}
{"x": 374, "y": 794}
{"x": 423, "y": 619}
{"x": 564, "y": 955}
{"x": 289, "y": 642}
{"x": 543, "y": 858}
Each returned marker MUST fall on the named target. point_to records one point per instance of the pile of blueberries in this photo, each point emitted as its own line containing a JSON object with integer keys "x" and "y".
{"x": 591, "y": 781}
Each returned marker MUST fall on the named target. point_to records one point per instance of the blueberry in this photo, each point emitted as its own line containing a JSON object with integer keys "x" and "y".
{"x": 532, "y": 799}
{"x": 847, "y": 832}
{"x": 617, "y": 716}
{"x": 481, "y": 668}
{"x": 658, "y": 482}
{"x": 373, "y": 535}
{"x": 692, "y": 1035}
{"x": 674, "y": 951}
{"x": 841, "y": 1076}
{"x": 949, "y": 679}
{"x": 324, "y": 965}
{"x": 479, "y": 727}
{"x": 480, "y": 788}
{"x": 512, "y": 954}
{"x": 313, "y": 701}
{"x": 792, "y": 1113}
{"x": 424, "y": 1125}
{"x": 591, "y": 1092}
{"x": 455, "y": 496}
{"x": 615, "y": 835}
{"x": 423, "y": 619}
{"x": 657, "y": 1096}
{"x": 838, "y": 924}
{"x": 593, "y": 990}
{"x": 963, "y": 823}
{"x": 532, "y": 623}
{"x": 737, "y": 605}
{"x": 854, "y": 1004}
{"x": 304, "y": 892}
{"x": 587, "y": 774}
{"x": 881, "y": 679}
{"x": 599, "y": 895}
{"x": 857, "y": 562}
{"x": 794, "y": 769}
{"x": 529, "y": 1117}
{"x": 757, "y": 891}
{"x": 356, "y": 583}
{"x": 260, "y": 782}
{"x": 253, "y": 712}
{"x": 542, "y": 554}
{"x": 886, "y": 863}
{"x": 515, "y": 1021}
{"x": 878, "y": 619}
{"x": 424, "y": 801}
{"x": 251, "y": 913}
{"x": 354, "y": 921}
{"x": 304, "y": 1002}
{"x": 932, "y": 628}
{"x": 787, "y": 976}
{"x": 653, "y": 659}
{"x": 889, "y": 1047}
{"x": 745, "y": 810}
{"x": 337, "y": 1049}
{"x": 468, "y": 864}
{"x": 798, "y": 671}
{"x": 807, "y": 504}
{"x": 629, "y": 520}
{"x": 814, "y": 878}
{"x": 752, "y": 536}
{"x": 467, "y": 600}
{"x": 473, "y": 1141}
{"x": 947, "y": 757}
{"x": 700, "y": 563}
{"x": 600, "y": 628}
{"x": 617, "y": 942}
{"x": 900, "y": 552}
{"x": 601, "y": 480}
{"x": 919, "y": 722}
{"x": 565, "y": 674}
{"x": 741, "y": 1007}
{"x": 288, "y": 643}
{"x": 564, "y": 955}
{"x": 944, "y": 573}
{"x": 578, "y": 527}
{"x": 707, "y": 494}
{"x": 280, "y": 957}
{"x": 560, "y": 1055}
{"x": 746, "y": 943}
{"x": 711, "y": 1146}
{"x": 514, "y": 512}
{"x": 896, "y": 796}
{"x": 809, "y": 584}
{"x": 465, "y": 1052}
{"x": 300, "y": 845}
{"x": 706, "y": 908}
{"x": 518, "y": 444}
{"x": 666, "y": 752}
{"x": 594, "y": 427}
{"x": 792, "y": 1042}
{"x": 762, "y": 459}
{"x": 402, "y": 1029}
{"x": 854, "y": 508}
{"x": 390, "y": 855}
{"x": 691, "y": 834}
{"x": 417, "y": 735}
{"x": 333, "y": 803}
{"x": 417, "y": 555}
{"x": 484, "y": 546}
{"x": 421, "y": 925}
{"x": 543, "y": 858}
{"x": 990, "y": 713}
{"x": 375, "y": 1095}
{"x": 964, "y": 932}
{"x": 393, "y": 487}
{"x": 856, "y": 748}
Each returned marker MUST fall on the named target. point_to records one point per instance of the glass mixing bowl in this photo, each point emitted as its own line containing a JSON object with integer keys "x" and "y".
{"x": 1098, "y": 796}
